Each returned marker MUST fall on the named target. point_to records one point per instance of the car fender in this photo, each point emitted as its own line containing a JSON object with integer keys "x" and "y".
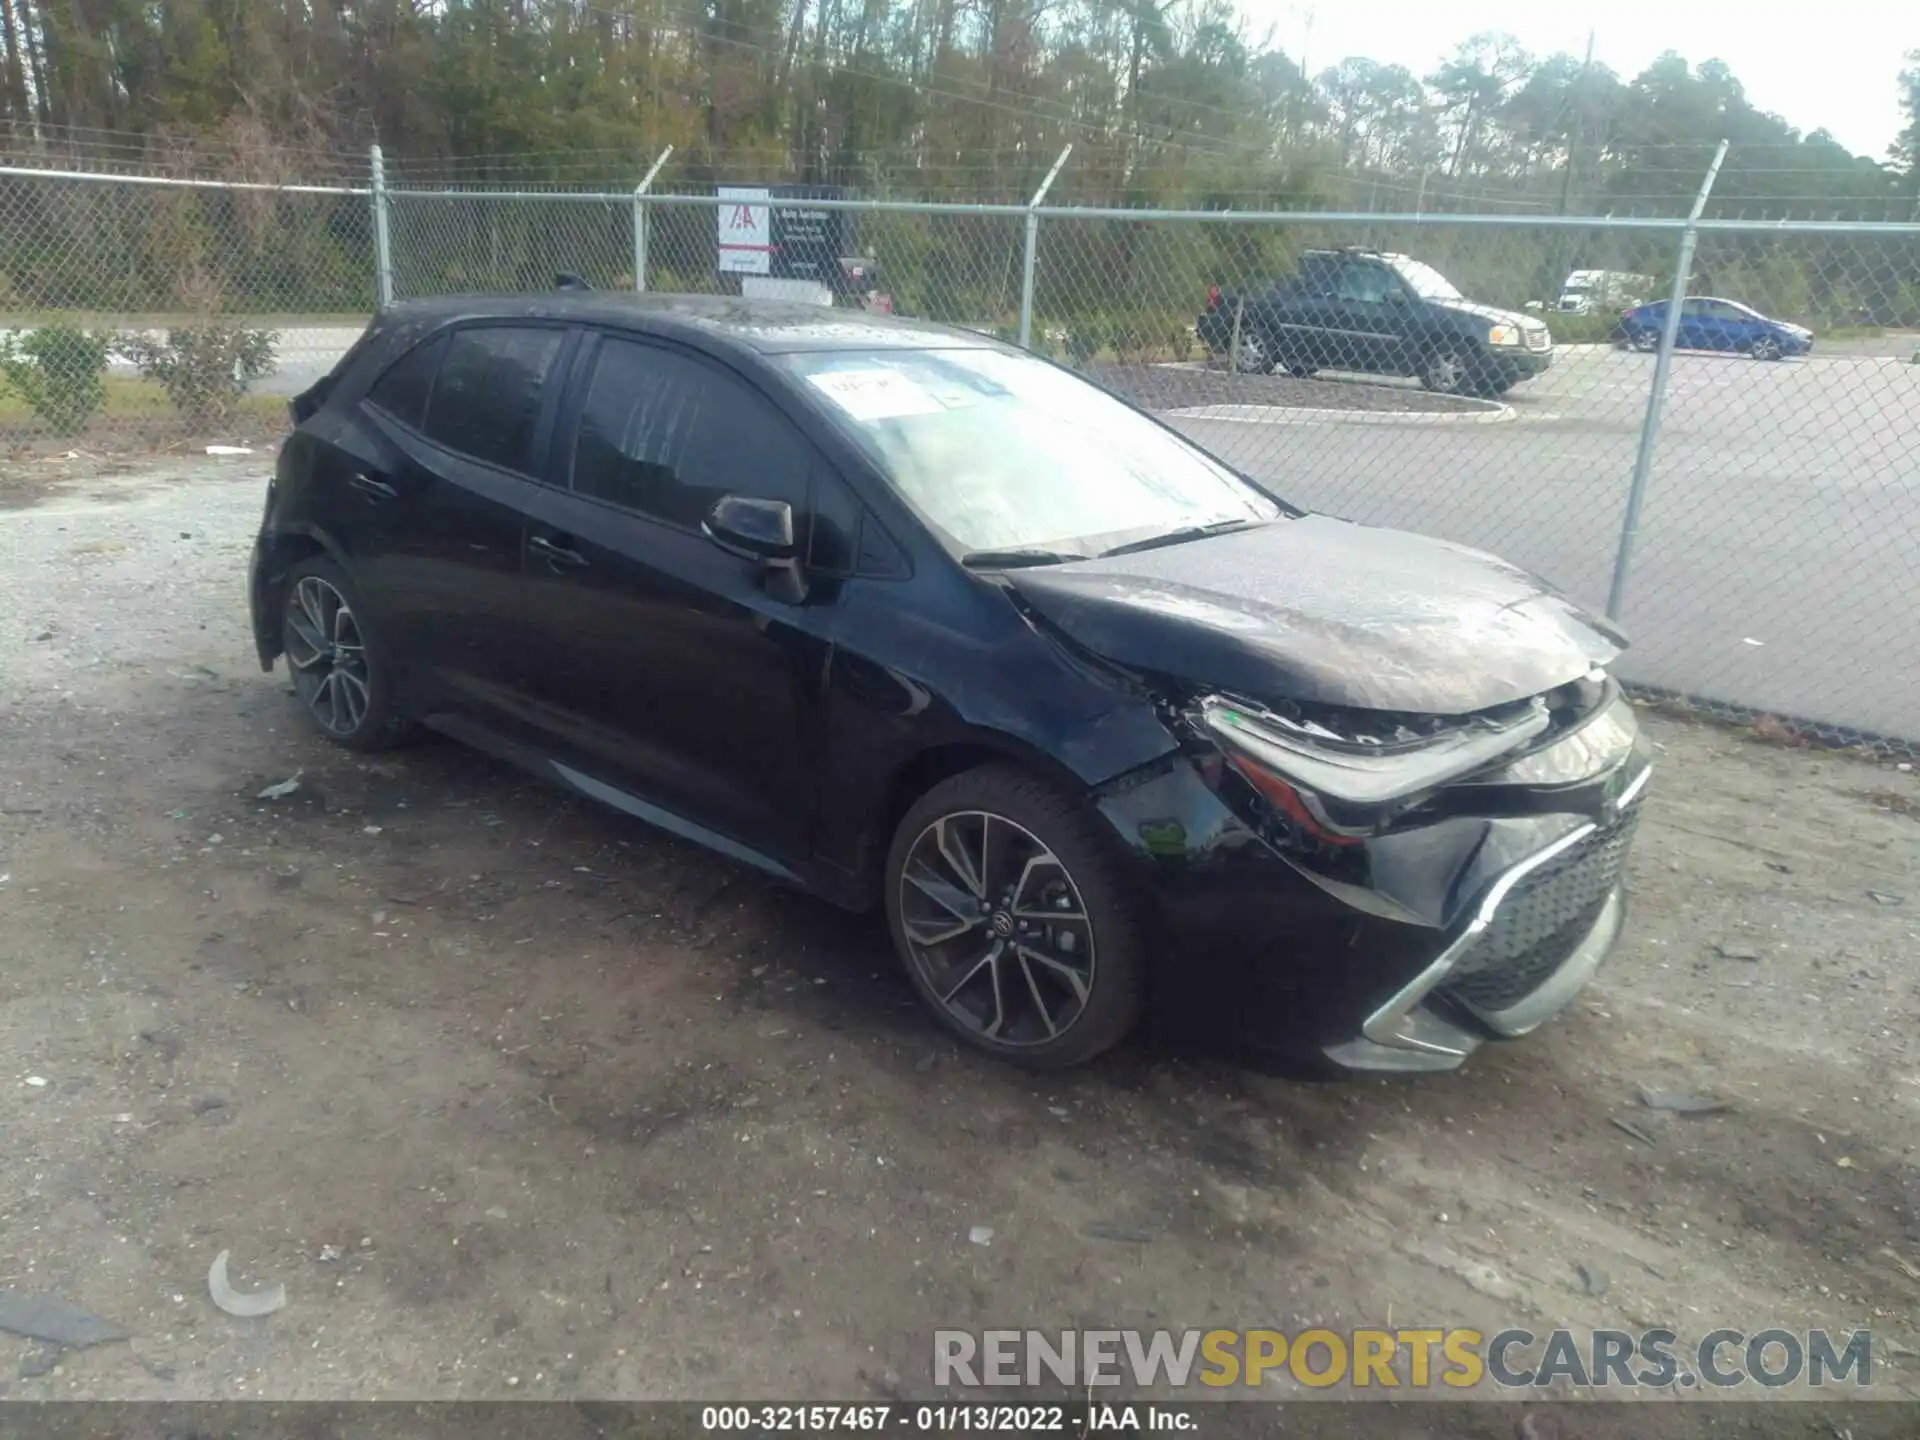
{"x": 277, "y": 551}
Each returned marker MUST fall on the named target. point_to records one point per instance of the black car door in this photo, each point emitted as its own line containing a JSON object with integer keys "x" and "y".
{"x": 662, "y": 665}
{"x": 430, "y": 511}
{"x": 1372, "y": 331}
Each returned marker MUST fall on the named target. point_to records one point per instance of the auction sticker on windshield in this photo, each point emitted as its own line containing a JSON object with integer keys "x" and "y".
{"x": 877, "y": 394}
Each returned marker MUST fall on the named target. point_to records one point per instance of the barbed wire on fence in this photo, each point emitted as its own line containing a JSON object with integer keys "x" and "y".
{"x": 1780, "y": 543}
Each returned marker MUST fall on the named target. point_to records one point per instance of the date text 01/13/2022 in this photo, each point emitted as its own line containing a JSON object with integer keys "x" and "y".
{"x": 943, "y": 1419}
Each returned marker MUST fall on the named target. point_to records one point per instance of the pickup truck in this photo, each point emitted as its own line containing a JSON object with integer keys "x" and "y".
{"x": 1377, "y": 312}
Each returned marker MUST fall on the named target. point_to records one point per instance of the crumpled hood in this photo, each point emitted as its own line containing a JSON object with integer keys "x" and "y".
{"x": 1489, "y": 314}
{"x": 1322, "y": 610}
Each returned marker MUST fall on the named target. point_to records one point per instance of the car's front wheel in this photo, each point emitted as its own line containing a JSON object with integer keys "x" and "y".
{"x": 341, "y": 674}
{"x": 1445, "y": 373}
{"x": 1765, "y": 348}
{"x": 1015, "y": 920}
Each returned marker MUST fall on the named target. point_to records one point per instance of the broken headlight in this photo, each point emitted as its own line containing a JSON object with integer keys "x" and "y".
{"x": 1340, "y": 773}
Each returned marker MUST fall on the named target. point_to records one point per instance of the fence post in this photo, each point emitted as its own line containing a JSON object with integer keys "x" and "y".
{"x": 382, "y": 235}
{"x": 640, "y": 220}
{"x": 1657, "y": 397}
{"x": 1033, "y": 245}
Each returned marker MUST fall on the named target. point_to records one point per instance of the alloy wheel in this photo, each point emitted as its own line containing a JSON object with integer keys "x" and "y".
{"x": 1445, "y": 374}
{"x": 996, "y": 928}
{"x": 1766, "y": 348}
{"x": 327, "y": 656}
{"x": 1646, "y": 341}
{"x": 1252, "y": 359}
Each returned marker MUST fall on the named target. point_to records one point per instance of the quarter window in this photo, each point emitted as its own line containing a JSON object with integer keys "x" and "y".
{"x": 403, "y": 390}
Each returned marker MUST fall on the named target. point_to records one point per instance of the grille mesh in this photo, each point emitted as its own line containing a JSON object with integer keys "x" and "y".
{"x": 1543, "y": 919}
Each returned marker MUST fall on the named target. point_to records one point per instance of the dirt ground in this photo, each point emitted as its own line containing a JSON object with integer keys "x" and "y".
{"x": 518, "y": 1098}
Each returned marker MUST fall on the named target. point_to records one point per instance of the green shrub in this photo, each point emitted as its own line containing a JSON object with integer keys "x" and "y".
{"x": 1591, "y": 329}
{"x": 205, "y": 370}
{"x": 1085, "y": 340}
{"x": 58, "y": 371}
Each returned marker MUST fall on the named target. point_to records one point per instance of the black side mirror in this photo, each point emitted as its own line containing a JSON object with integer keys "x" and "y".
{"x": 759, "y": 530}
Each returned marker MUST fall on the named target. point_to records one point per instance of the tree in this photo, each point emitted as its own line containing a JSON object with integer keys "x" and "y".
{"x": 1905, "y": 150}
{"x": 1472, "y": 85}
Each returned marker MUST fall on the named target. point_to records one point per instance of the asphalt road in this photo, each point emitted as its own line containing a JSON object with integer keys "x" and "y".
{"x": 1778, "y": 561}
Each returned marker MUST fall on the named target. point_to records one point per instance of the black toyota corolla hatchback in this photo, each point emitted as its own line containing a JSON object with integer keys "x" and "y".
{"x": 921, "y": 622}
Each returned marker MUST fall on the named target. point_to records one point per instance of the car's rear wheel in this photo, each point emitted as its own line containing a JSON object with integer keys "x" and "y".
{"x": 1645, "y": 341}
{"x": 1765, "y": 348}
{"x": 341, "y": 674}
{"x": 1015, "y": 920}
{"x": 1253, "y": 356}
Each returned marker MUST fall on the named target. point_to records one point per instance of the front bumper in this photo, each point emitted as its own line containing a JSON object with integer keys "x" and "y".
{"x": 1482, "y": 985}
{"x": 1519, "y": 363}
{"x": 1408, "y": 951}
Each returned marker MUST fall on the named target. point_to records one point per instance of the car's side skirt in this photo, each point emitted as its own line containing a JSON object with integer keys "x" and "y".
{"x": 481, "y": 738}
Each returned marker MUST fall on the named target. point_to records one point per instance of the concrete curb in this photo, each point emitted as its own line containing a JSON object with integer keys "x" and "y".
{"x": 1494, "y": 414}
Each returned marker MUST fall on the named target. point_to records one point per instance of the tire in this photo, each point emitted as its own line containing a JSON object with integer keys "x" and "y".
{"x": 1765, "y": 348}
{"x": 1077, "y": 983}
{"x": 1645, "y": 341}
{"x": 1254, "y": 357}
{"x": 342, "y": 675}
{"x": 1446, "y": 372}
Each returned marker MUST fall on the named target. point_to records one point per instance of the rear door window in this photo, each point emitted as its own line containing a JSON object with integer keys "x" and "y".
{"x": 487, "y": 395}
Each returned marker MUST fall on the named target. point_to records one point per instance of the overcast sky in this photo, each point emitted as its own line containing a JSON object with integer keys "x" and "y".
{"x": 1818, "y": 63}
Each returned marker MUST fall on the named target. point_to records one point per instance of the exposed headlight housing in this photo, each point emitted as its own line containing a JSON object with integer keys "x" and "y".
{"x": 1320, "y": 769}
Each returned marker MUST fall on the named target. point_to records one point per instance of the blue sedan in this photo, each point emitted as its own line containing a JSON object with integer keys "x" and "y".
{"x": 1707, "y": 323}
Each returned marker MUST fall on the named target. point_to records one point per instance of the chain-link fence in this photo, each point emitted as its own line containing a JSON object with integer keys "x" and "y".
{"x": 140, "y": 314}
{"x": 1484, "y": 378}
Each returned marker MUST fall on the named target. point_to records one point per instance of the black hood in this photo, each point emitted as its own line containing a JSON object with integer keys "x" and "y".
{"x": 1321, "y": 610}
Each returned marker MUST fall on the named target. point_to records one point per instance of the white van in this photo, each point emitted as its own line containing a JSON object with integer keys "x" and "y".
{"x": 1588, "y": 290}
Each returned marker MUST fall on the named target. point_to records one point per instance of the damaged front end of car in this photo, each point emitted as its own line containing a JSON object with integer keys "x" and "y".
{"x": 1469, "y": 868}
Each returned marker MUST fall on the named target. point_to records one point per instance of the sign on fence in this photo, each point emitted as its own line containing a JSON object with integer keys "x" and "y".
{"x": 746, "y": 231}
{"x": 808, "y": 244}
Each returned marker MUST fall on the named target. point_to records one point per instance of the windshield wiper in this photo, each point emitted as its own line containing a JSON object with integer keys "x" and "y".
{"x": 1176, "y": 537}
{"x": 1013, "y": 559}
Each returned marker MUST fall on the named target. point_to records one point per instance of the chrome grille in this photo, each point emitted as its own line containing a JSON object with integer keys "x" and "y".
{"x": 1543, "y": 919}
{"x": 1540, "y": 339}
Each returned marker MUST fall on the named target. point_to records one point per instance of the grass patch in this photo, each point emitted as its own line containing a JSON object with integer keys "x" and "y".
{"x": 129, "y": 399}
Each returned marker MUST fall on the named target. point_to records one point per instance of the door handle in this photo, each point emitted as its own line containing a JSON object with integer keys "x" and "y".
{"x": 555, "y": 555}
{"x": 374, "y": 489}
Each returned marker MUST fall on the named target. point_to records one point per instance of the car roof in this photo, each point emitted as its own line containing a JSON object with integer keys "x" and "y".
{"x": 767, "y": 327}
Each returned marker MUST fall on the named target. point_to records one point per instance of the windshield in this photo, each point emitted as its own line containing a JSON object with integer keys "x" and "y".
{"x": 1427, "y": 282}
{"x": 1002, "y": 452}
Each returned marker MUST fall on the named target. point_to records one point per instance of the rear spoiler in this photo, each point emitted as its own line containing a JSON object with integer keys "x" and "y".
{"x": 304, "y": 406}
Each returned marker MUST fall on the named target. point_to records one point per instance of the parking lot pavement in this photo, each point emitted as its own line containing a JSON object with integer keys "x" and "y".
{"x": 517, "y": 1097}
{"x": 1779, "y": 547}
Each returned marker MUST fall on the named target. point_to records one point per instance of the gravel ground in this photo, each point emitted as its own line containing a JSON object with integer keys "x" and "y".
{"x": 1169, "y": 387}
{"x": 518, "y": 1098}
